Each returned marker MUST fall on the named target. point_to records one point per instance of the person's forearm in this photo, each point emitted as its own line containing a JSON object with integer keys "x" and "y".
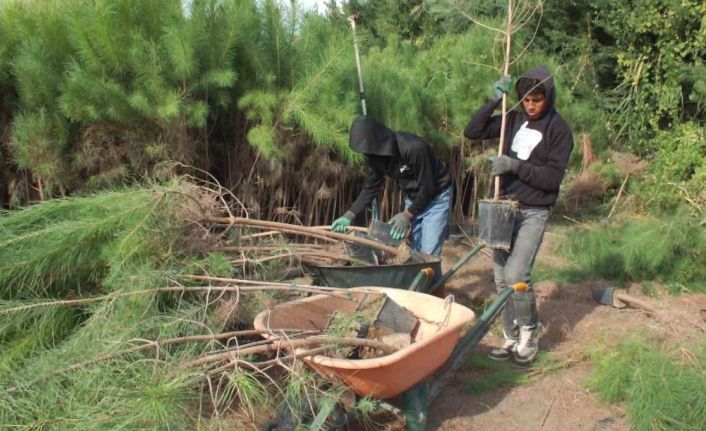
{"x": 483, "y": 124}
{"x": 365, "y": 198}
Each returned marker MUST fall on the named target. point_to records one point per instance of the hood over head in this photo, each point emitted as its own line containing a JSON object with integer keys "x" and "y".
{"x": 537, "y": 80}
{"x": 367, "y": 136}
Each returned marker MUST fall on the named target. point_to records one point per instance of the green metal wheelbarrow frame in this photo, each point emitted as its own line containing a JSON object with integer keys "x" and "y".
{"x": 419, "y": 397}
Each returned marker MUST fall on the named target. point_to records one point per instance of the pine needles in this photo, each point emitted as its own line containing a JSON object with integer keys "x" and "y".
{"x": 670, "y": 250}
{"x": 661, "y": 392}
{"x": 110, "y": 243}
{"x": 96, "y": 331}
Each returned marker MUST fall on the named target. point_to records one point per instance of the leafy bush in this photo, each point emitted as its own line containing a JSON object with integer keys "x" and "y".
{"x": 677, "y": 173}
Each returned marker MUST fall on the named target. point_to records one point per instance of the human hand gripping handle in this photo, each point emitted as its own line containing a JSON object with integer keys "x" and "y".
{"x": 342, "y": 223}
{"x": 501, "y": 86}
{"x": 400, "y": 224}
{"x": 503, "y": 165}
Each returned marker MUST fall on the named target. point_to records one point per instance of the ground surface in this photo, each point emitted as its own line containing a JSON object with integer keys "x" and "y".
{"x": 552, "y": 394}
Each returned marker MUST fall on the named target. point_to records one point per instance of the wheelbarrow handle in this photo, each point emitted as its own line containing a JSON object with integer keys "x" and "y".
{"x": 456, "y": 267}
{"x": 418, "y": 398}
{"x": 474, "y": 335}
{"x": 421, "y": 280}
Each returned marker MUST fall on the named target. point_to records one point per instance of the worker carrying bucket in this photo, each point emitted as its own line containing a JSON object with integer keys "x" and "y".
{"x": 422, "y": 177}
{"x": 531, "y": 169}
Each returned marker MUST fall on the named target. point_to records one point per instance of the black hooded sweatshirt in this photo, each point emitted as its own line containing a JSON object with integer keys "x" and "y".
{"x": 403, "y": 156}
{"x": 542, "y": 146}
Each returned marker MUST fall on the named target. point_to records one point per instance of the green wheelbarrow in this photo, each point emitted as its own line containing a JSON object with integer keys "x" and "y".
{"x": 418, "y": 274}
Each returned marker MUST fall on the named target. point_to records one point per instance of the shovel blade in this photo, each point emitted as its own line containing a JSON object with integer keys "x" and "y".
{"x": 606, "y": 296}
{"x": 496, "y": 221}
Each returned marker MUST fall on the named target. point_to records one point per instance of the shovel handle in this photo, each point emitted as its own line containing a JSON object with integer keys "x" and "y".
{"x": 352, "y": 19}
{"x": 637, "y": 303}
{"x": 506, "y": 71}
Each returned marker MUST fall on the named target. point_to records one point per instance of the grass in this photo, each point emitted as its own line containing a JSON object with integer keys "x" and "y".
{"x": 662, "y": 388}
{"x": 669, "y": 250}
{"x": 489, "y": 375}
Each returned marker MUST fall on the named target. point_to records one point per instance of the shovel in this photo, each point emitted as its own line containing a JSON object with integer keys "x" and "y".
{"x": 619, "y": 298}
{"x": 496, "y": 217}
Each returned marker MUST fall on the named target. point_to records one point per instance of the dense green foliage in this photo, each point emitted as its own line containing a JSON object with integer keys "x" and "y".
{"x": 677, "y": 173}
{"x": 661, "y": 392}
{"x": 261, "y": 91}
{"x": 97, "y": 94}
{"x": 645, "y": 55}
{"x": 110, "y": 243}
{"x": 91, "y": 106}
{"x": 671, "y": 250}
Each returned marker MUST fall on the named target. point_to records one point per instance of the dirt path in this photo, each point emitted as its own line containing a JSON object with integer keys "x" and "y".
{"x": 551, "y": 399}
{"x": 551, "y": 395}
{"x": 555, "y": 402}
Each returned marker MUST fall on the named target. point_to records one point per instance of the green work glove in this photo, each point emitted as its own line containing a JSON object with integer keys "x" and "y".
{"x": 400, "y": 224}
{"x": 503, "y": 165}
{"x": 501, "y": 86}
{"x": 342, "y": 223}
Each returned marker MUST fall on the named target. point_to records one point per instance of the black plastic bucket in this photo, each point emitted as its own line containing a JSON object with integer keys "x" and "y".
{"x": 496, "y": 220}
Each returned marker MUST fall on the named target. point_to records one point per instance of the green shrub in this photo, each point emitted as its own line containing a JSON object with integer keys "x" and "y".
{"x": 671, "y": 250}
{"x": 660, "y": 393}
{"x": 677, "y": 173}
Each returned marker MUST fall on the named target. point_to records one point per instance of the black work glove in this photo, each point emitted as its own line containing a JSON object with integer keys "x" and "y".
{"x": 503, "y": 165}
{"x": 400, "y": 224}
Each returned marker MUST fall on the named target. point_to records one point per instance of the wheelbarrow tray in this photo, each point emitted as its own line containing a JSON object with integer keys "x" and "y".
{"x": 400, "y": 276}
{"x": 441, "y": 326}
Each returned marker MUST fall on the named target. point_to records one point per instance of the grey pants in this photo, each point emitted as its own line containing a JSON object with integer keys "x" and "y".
{"x": 514, "y": 266}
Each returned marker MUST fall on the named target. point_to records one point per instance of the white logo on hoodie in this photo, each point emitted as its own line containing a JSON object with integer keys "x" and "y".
{"x": 525, "y": 141}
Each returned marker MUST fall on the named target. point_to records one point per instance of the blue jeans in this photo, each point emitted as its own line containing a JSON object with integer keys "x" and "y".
{"x": 429, "y": 225}
{"x": 514, "y": 266}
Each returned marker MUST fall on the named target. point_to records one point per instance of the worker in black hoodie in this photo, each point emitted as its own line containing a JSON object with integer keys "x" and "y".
{"x": 422, "y": 177}
{"x": 531, "y": 169}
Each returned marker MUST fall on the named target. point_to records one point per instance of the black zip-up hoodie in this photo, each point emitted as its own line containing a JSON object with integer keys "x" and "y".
{"x": 403, "y": 156}
{"x": 542, "y": 146}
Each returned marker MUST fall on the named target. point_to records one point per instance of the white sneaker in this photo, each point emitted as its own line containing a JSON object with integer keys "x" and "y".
{"x": 505, "y": 351}
{"x": 528, "y": 346}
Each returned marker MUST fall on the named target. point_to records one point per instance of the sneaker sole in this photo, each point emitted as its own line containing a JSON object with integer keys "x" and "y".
{"x": 495, "y": 358}
{"x": 525, "y": 361}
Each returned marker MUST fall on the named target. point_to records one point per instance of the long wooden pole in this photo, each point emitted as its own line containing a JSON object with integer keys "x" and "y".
{"x": 302, "y": 230}
{"x": 506, "y": 71}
